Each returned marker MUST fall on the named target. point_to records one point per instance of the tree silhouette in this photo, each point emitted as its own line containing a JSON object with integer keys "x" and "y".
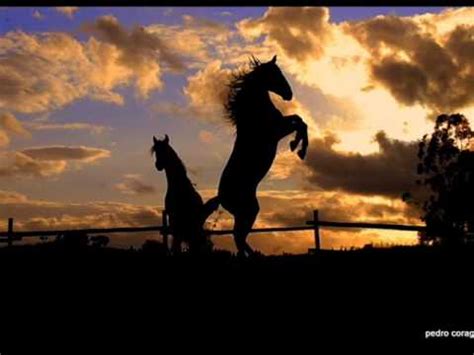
{"x": 446, "y": 169}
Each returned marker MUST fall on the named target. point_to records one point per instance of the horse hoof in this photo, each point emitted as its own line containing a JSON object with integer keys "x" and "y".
{"x": 293, "y": 145}
{"x": 301, "y": 154}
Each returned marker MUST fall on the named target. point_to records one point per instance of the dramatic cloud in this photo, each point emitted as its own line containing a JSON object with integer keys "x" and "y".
{"x": 416, "y": 65}
{"x": 47, "y": 161}
{"x": 389, "y": 172}
{"x": 68, "y": 11}
{"x": 300, "y": 32}
{"x": 132, "y": 184}
{"x": 46, "y": 71}
{"x": 138, "y": 49}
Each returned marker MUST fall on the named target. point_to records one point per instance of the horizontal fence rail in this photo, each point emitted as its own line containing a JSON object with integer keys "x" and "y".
{"x": 10, "y": 235}
{"x": 49, "y": 233}
{"x": 362, "y": 225}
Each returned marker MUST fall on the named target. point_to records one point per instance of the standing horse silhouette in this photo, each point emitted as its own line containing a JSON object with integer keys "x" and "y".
{"x": 260, "y": 126}
{"x": 186, "y": 210}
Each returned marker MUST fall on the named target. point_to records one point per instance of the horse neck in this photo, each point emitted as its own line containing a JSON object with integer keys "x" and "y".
{"x": 256, "y": 97}
{"x": 176, "y": 173}
{"x": 256, "y": 101}
{"x": 258, "y": 107}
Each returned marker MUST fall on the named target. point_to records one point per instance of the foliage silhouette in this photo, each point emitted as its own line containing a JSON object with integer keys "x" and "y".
{"x": 259, "y": 127}
{"x": 186, "y": 210}
{"x": 446, "y": 169}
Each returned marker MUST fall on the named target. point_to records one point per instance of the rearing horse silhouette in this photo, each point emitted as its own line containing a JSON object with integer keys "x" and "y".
{"x": 260, "y": 126}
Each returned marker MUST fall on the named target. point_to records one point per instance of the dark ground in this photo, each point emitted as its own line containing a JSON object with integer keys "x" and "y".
{"x": 383, "y": 299}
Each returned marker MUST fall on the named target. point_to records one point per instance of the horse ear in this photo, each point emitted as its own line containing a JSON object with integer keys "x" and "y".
{"x": 274, "y": 59}
{"x": 155, "y": 140}
{"x": 167, "y": 139}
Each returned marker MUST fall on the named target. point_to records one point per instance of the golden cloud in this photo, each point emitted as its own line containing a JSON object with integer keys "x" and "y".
{"x": 31, "y": 214}
{"x": 205, "y": 92}
{"x": 294, "y": 208}
{"x": 47, "y": 161}
{"x": 4, "y": 139}
{"x": 17, "y": 164}
{"x": 138, "y": 51}
{"x": 11, "y": 124}
{"x": 54, "y": 153}
{"x": 45, "y": 71}
{"x": 300, "y": 32}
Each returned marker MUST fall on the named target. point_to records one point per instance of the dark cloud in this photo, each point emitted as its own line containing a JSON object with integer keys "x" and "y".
{"x": 419, "y": 68}
{"x": 138, "y": 47}
{"x": 299, "y": 31}
{"x": 389, "y": 172}
{"x": 295, "y": 208}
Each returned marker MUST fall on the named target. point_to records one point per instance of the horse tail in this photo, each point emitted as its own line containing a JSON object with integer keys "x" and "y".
{"x": 210, "y": 206}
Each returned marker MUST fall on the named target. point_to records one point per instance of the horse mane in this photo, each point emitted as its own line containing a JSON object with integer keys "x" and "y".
{"x": 238, "y": 83}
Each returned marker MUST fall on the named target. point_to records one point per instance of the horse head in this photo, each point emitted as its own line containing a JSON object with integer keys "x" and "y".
{"x": 274, "y": 80}
{"x": 162, "y": 150}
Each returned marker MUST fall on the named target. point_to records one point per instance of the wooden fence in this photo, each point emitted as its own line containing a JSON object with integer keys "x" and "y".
{"x": 315, "y": 224}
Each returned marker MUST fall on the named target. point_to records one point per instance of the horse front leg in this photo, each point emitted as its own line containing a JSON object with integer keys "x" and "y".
{"x": 296, "y": 123}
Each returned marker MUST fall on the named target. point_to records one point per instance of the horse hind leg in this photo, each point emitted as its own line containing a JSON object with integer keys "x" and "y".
{"x": 242, "y": 226}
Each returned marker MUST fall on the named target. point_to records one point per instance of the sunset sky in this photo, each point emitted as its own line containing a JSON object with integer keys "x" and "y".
{"x": 82, "y": 91}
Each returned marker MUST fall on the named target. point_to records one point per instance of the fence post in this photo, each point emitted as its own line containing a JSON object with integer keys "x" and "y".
{"x": 164, "y": 231}
{"x": 10, "y": 232}
{"x": 317, "y": 238}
